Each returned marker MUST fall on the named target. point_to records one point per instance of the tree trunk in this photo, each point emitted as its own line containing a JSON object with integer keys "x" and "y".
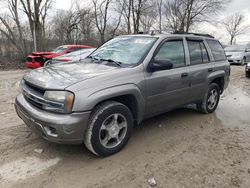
{"x": 102, "y": 38}
{"x": 231, "y": 40}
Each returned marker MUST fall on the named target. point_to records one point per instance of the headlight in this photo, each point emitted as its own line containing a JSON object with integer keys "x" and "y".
{"x": 59, "y": 101}
{"x": 248, "y": 65}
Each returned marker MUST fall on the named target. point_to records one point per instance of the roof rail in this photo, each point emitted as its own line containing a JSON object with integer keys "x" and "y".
{"x": 198, "y": 34}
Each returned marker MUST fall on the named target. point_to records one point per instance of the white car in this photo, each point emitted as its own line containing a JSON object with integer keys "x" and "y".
{"x": 73, "y": 56}
{"x": 238, "y": 54}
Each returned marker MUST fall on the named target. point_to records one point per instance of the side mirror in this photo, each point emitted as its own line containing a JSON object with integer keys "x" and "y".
{"x": 158, "y": 65}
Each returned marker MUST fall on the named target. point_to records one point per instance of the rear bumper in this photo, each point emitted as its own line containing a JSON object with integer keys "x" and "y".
{"x": 58, "y": 128}
{"x": 32, "y": 65}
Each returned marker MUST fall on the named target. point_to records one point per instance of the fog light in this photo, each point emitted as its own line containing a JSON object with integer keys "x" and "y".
{"x": 51, "y": 131}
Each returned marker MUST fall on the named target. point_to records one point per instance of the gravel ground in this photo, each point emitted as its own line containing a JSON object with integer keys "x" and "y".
{"x": 178, "y": 149}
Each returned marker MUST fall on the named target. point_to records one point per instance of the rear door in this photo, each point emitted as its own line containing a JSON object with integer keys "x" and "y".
{"x": 200, "y": 67}
{"x": 167, "y": 89}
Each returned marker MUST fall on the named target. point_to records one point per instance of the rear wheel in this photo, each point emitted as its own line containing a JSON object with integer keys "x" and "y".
{"x": 109, "y": 129}
{"x": 211, "y": 99}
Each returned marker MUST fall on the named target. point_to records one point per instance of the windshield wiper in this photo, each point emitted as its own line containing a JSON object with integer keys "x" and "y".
{"x": 108, "y": 60}
{"x": 112, "y": 61}
{"x": 93, "y": 57}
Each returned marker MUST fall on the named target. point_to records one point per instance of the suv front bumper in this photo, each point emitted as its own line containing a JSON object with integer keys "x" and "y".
{"x": 54, "y": 127}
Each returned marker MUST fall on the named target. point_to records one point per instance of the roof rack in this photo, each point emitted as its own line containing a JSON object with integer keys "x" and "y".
{"x": 198, "y": 34}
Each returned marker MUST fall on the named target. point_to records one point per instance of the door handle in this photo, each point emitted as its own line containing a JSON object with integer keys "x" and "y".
{"x": 183, "y": 75}
{"x": 210, "y": 70}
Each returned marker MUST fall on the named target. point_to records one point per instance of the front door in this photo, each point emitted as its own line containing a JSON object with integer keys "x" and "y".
{"x": 167, "y": 89}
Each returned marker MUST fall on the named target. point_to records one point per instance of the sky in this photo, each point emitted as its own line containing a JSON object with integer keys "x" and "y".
{"x": 233, "y": 7}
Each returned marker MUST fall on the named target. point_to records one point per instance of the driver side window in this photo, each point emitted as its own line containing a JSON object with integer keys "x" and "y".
{"x": 172, "y": 51}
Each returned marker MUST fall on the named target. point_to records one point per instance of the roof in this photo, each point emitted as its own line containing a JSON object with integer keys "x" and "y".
{"x": 198, "y": 35}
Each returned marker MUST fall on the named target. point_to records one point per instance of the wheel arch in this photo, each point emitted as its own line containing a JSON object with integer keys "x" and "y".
{"x": 129, "y": 95}
{"x": 220, "y": 81}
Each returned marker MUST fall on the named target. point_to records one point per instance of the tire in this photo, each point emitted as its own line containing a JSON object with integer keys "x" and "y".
{"x": 244, "y": 61}
{"x": 208, "y": 105}
{"x": 109, "y": 129}
{"x": 247, "y": 74}
{"x": 50, "y": 62}
{"x": 47, "y": 63}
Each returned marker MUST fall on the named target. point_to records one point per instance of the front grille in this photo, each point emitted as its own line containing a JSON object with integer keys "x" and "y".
{"x": 33, "y": 94}
{"x": 32, "y": 98}
{"x": 39, "y": 59}
{"x": 34, "y": 87}
{"x": 29, "y": 59}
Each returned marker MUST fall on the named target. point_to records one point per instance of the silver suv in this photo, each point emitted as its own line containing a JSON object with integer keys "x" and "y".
{"x": 130, "y": 78}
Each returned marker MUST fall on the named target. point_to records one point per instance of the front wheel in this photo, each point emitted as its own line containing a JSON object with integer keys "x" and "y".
{"x": 244, "y": 61}
{"x": 49, "y": 62}
{"x": 211, "y": 99}
{"x": 109, "y": 129}
{"x": 247, "y": 74}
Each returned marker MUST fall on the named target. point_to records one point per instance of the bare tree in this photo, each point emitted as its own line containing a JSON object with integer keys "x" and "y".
{"x": 234, "y": 25}
{"x": 125, "y": 6}
{"x": 160, "y": 6}
{"x": 182, "y": 14}
{"x": 11, "y": 26}
{"x": 87, "y": 22}
{"x": 36, "y": 13}
{"x": 102, "y": 17}
{"x": 148, "y": 18}
{"x": 136, "y": 12}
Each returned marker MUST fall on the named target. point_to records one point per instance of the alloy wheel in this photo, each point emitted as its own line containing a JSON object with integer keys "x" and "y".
{"x": 113, "y": 130}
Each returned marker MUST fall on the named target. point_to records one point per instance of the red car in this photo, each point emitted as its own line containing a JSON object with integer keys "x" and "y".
{"x": 37, "y": 59}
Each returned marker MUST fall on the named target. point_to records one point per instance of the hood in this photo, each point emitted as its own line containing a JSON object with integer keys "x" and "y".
{"x": 60, "y": 76}
{"x": 42, "y": 53}
{"x": 47, "y": 55}
{"x": 234, "y": 53}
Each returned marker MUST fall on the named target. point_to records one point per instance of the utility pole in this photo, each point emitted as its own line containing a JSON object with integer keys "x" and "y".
{"x": 34, "y": 36}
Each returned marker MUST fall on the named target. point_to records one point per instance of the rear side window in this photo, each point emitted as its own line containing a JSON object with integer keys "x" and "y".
{"x": 198, "y": 52}
{"x": 172, "y": 51}
{"x": 217, "y": 50}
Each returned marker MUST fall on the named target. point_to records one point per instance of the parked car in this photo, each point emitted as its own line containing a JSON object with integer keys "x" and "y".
{"x": 248, "y": 70}
{"x": 73, "y": 56}
{"x": 126, "y": 80}
{"x": 238, "y": 54}
{"x": 37, "y": 59}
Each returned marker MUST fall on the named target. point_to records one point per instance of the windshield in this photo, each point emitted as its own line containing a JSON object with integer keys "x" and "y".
{"x": 237, "y": 48}
{"x": 127, "y": 50}
{"x": 60, "y": 49}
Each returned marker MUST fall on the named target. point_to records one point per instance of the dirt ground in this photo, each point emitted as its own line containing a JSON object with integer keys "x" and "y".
{"x": 179, "y": 149}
